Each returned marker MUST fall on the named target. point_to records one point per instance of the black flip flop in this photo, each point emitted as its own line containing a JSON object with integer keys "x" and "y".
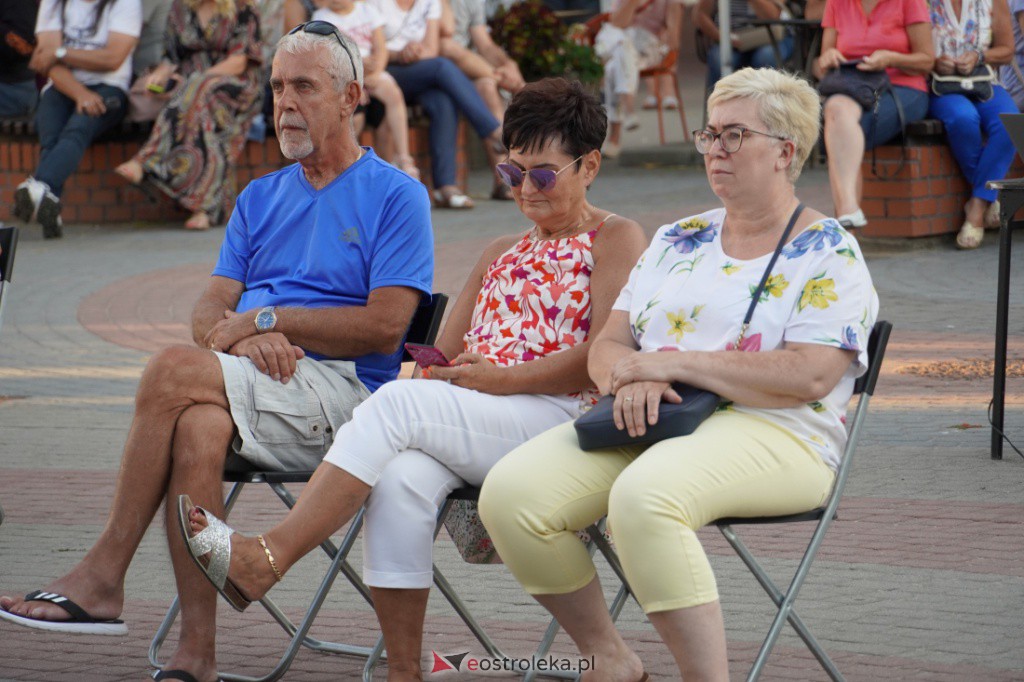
{"x": 80, "y": 623}
{"x": 182, "y": 675}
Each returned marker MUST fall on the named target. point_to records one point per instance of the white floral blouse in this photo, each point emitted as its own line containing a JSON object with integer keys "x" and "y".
{"x": 686, "y": 293}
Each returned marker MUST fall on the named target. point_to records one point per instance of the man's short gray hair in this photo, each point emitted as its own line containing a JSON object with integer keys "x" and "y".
{"x": 340, "y": 66}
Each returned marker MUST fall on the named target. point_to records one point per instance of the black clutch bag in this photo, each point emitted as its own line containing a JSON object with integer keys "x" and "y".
{"x": 864, "y": 87}
{"x": 596, "y": 429}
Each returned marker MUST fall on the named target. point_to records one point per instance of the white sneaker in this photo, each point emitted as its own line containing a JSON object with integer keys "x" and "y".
{"x": 670, "y": 103}
{"x": 27, "y": 198}
{"x": 631, "y": 122}
{"x": 611, "y": 150}
{"x": 852, "y": 220}
{"x": 650, "y": 102}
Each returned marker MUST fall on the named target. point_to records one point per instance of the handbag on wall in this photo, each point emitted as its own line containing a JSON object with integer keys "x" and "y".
{"x": 978, "y": 85}
{"x": 864, "y": 87}
{"x": 596, "y": 429}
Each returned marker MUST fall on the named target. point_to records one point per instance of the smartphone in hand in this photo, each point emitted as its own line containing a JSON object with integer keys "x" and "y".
{"x": 427, "y": 356}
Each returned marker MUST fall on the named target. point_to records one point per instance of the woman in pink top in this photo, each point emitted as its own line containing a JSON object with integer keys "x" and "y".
{"x": 894, "y": 35}
{"x": 518, "y": 335}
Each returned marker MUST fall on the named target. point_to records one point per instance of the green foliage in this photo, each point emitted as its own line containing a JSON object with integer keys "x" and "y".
{"x": 533, "y": 36}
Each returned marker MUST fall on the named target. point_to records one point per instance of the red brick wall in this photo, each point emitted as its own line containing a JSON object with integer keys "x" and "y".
{"x": 925, "y": 198}
{"x": 94, "y": 194}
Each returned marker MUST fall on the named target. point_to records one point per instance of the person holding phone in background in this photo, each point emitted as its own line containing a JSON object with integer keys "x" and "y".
{"x": 212, "y": 61}
{"x": 18, "y": 93}
{"x": 518, "y": 337}
{"x": 83, "y": 47}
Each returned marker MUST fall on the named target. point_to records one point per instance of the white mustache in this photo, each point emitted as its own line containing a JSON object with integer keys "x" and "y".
{"x": 292, "y": 122}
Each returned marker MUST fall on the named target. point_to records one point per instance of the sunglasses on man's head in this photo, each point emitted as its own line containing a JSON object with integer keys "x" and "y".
{"x": 326, "y": 28}
{"x": 542, "y": 178}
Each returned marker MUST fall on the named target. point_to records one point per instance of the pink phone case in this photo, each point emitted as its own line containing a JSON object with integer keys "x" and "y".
{"x": 427, "y": 356}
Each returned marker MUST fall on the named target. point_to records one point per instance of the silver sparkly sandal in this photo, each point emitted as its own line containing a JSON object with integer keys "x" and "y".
{"x": 211, "y": 550}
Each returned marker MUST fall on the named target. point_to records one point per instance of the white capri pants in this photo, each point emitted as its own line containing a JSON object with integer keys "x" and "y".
{"x": 415, "y": 441}
{"x": 625, "y": 52}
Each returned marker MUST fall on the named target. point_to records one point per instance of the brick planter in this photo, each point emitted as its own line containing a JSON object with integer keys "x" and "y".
{"x": 94, "y": 194}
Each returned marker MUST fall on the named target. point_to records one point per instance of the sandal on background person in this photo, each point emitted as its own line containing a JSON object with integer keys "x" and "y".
{"x": 451, "y": 197}
{"x": 853, "y": 220}
{"x": 406, "y": 163}
{"x": 992, "y": 216}
{"x": 502, "y": 192}
{"x": 199, "y": 221}
{"x": 969, "y": 236}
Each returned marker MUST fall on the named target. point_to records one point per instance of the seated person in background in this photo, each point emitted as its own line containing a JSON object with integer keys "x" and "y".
{"x": 293, "y": 315}
{"x": 466, "y": 40}
{"x": 362, "y": 22}
{"x": 705, "y": 17}
{"x": 1010, "y": 74}
{"x": 519, "y": 336}
{"x": 437, "y": 85}
{"x": 771, "y": 449}
{"x": 84, "y": 48}
{"x": 967, "y": 33}
{"x": 637, "y": 36}
{"x": 150, "y": 50}
{"x": 895, "y": 37}
{"x": 213, "y": 55}
{"x": 18, "y": 93}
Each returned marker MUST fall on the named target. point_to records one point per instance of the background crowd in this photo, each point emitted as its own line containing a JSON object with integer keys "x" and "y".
{"x": 198, "y": 70}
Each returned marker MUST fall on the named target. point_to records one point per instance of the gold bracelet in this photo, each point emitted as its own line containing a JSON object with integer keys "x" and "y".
{"x": 270, "y": 557}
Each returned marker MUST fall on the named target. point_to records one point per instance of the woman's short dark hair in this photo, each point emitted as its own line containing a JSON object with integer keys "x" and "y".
{"x": 555, "y": 109}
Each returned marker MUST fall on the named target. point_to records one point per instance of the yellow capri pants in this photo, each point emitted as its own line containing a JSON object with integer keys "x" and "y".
{"x": 734, "y": 464}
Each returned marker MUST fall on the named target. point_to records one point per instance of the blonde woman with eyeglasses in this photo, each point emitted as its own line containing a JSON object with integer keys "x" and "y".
{"x": 771, "y": 448}
{"x": 211, "y": 70}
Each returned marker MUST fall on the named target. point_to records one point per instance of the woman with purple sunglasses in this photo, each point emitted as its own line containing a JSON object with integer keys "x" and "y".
{"x": 518, "y": 335}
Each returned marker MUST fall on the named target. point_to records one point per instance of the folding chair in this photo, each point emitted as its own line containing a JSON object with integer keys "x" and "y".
{"x": 824, "y": 515}
{"x": 8, "y": 248}
{"x": 423, "y": 329}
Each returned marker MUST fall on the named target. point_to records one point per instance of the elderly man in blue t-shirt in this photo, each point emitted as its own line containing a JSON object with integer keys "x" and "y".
{"x": 323, "y": 264}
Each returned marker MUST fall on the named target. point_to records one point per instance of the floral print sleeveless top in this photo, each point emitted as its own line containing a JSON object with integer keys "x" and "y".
{"x": 535, "y": 300}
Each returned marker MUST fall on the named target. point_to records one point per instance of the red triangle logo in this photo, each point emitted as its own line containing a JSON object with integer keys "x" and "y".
{"x": 440, "y": 664}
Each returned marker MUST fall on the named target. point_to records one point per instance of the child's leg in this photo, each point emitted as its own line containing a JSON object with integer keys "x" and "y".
{"x": 387, "y": 91}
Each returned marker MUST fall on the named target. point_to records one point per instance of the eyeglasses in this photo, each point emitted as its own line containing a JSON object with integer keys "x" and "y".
{"x": 542, "y": 178}
{"x": 731, "y": 138}
{"x": 326, "y": 28}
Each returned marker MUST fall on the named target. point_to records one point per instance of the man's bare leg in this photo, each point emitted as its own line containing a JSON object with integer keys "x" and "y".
{"x": 201, "y": 440}
{"x": 174, "y": 380}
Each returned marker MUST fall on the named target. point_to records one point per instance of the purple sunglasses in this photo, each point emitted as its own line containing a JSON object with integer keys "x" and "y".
{"x": 542, "y": 178}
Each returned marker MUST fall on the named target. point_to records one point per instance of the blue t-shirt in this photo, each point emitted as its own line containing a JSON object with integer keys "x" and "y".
{"x": 293, "y": 245}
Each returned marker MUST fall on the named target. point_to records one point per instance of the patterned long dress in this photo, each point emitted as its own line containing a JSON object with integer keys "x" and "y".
{"x": 202, "y": 130}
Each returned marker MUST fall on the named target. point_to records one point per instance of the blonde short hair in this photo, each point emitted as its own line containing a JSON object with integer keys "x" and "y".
{"x": 787, "y": 106}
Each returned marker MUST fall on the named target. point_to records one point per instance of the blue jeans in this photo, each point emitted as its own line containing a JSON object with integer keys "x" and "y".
{"x": 757, "y": 58}
{"x": 444, "y": 92}
{"x": 887, "y": 122}
{"x": 64, "y": 135}
{"x": 967, "y": 122}
{"x": 18, "y": 99}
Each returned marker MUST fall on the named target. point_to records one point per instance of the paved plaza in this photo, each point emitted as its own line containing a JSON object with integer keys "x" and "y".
{"x": 921, "y": 578}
